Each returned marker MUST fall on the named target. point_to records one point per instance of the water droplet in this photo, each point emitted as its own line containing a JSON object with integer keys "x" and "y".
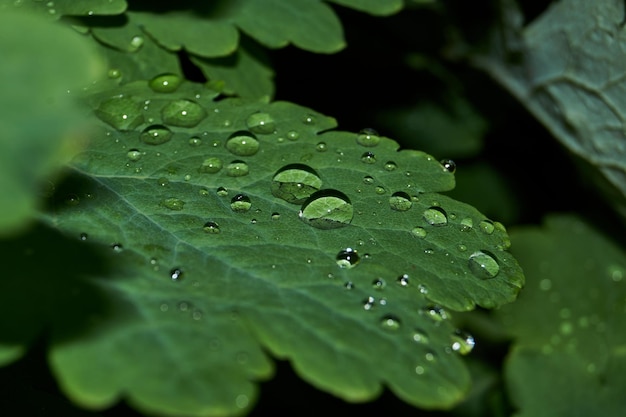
{"x": 400, "y": 201}
{"x": 293, "y": 135}
{"x": 435, "y": 312}
{"x": 403, "y": 280}
{"x": 368, "y": 158}
{"x": 211, "y": 227}
{"x": 123, "y": 113}
{"x": 419, "y": 232}
{"x": 222, "y": 192}
{"x": 380, "y": 190}
{"x": 136, "y": 43}
{"x": 419, "y": 336}
{"x": 368, "y": 137}
{"x": 134, "y": 155}
{"x": 210, "y": 165}
{"x": 261, "y": 123}
{"x": 378, "y": 284}
{"x": 308, "y": 119}
{"x": 114, "y": 73}
{"x": 240, "y": 203}
{"x": 348, "y": 285}
{"x": 162, "y": 181}
{"x": 117, "y": 247}
{"x": 368, "y": 180}
{"x": 237, "y": 169}
{"x": 295, "y": 183}
{"x": 242, "y": 143}
{"x": 483, "y": 264}
{"x": 72, "y": 200}
{"x": 275, "y": 216}
{"x": 390, "y": 322}
{"x": 448, "y": 165}
{"x": 369, "y": 303}
{"x": 176, "y": 274}
{"x": 195, "y": 141}
{"x": 321, "y": 147}
{"x": 419, "y": 370}
{"x": 430, "y": 356}
{"x": 616, "y": 272}
{"x": 173, "y": 203}
{"x": 183, "y": 113}
{"x": 156, "y": 135}
{"x": 466, "y": 224}
{"x": 436, "y": 216}
{"x": 422, "y": 289}
{"x": 486, "y": 226}
{"x": 84, "y": 236}
{"x": 165, "y": 83}
{"x": 462, "y": 342}
{"x": 390, "y": 166}
{"x": 327, "y": 209}
{"x": 347, "y": 258}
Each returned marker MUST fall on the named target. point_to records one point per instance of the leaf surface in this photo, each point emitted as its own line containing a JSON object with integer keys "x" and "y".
{"x": 56, "y": 9}
{"x": 568, "y": 323}
{"x": 226, "y": 251}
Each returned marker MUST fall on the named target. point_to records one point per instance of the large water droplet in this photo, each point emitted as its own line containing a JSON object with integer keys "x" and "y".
{"x": 123, "y": 113}
{"x": 295, "y": 183}
{"x": 368, "y": 137}
{"x": 483, "y": 264}
{"x": 466, "y": 224}
{"x": 165, "y": 83}
{"x": 237, "y": 169}
{"x": 347, "y": 258}
{"x": 211, "y": 165}
{"x": 242, "y": 143}
{"x": 462, "y": 342}
{"x": 183, "y": 113}
{"x": 400, "y": 201}
{"x": 261, "y": 123}
{"x": 134, "y": 155}
{"x": 419, "y": 232}
{"x": 240, "y": 203}
{"x": 436, "y": 216}
{"x": 449, "y": 165}
{"x": 173, "y": 203}
{"x": 327, "y": 209}
{"x": 211, "y": 227}
{"x": 156, "y": 135}
{"x": 486, "y": 226}
{"x": 390, "y": 166}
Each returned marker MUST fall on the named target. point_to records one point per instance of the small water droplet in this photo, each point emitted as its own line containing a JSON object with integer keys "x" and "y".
{"x": 308, "y": 119}
{"x": 368, "y": 137}
{"x": 242, "y": 143}
{"x": 163, "y": 182}
{"x": 237, "y": 169}
{"x": 403, "y": 280}
{"x": 321, "y": 147}
{"x": 156, "y": 135}
{"x": 173, "y": 203}
{"x": 211, "y": 165}
{"x": 117, "y": 247}
{"x": 195, "y": 141}
{"x": 123, "y": 113}
{"x": 368, "y": 180}
{"x": 436, "y": 216}
{"x": 390, "y": 166}
{"x": 114, "y": 73}
{"x": 211, "y": 227}
{"x": 380, "y": 190}
{"x": 222, "y": 192}
{"x": 295, "y": 183}
{"x": 240, "y": 203}
{"x": 84, "y": 236}
{"x": 435, "y": 312}
{"x": 348, "y": 285}
{"x": 462, "y": 342}
{"x": 347, "y": 258}
{"x": 378, "y": 284}
{"x": 400, "y": 201}
{"x": 483, "y": 264}
{"x": 327, "y": 209}
{"x": 486, "y": 226}
{"x": 422, "y": 289}
{"x": 136, "y": 43}
{"x": 165, "y": 83}
{"x": 368, "y": 158}
{"x": 275, "y": 216}
{"x": 466, "y": 224}
{"x": 176, "y": 274}
{"x": 261, "y": 123}
{"x": 369, "y": 303}
{"x": 293, "y": 135}
{"x": 72, "y": 200}
{"x": 183, "y": 113}
{"x": 616, "y": 273}
{"x": 448, "y": 165}
{"x": 419, "y": 232}
{"x": 134, "y": 155}
{"x": 430, "y": 356}
{"x": 419, "y": 336}
{"x": 390, "y": 322}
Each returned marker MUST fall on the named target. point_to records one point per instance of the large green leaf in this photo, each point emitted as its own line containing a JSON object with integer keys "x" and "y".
{"x": 569, "y": 323}
{"x": 57, "y": 8}
{"x": 41, "y": 126}
{"x": 567, "y": 68}
{"x": 353, "y": 284}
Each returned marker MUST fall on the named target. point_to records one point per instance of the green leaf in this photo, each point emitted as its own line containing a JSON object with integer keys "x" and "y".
{"x": 241, "y": 228}
{"x": 374, "y": 7}
{"x": 41, "y": 126}
{"x": 568, "y": 324}
{"x": 566, "y": 67}
{"x": 57, "y": 8}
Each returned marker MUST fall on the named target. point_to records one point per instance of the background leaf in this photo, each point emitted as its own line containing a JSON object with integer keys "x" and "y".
{"x": 58, "y": 8}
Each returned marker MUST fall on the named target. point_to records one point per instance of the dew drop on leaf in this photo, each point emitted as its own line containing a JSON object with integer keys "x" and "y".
{"x": 348, "y": 285}
{"x": 222, "y": 192}
{"x": 211, "y": 165}
{"x": 486, "y": 226}
{"x": 467, "y": 224}
{"x": 462, "y": 342}
{"x": 163, "y": 182}
{"x": 117, "y": 247}
{"x": 419, "y": 336}
{"x": 183, "y": 113}
{"x": 435, "y": 312}
{"x": 156, "y": 135}
{"x": 368, "y": 137}
{"x": 114, "y": 73}
{"x": 483, "y": 264}
{"x": 242, "y": 143}
{"x": 165, "y": 83}
{"x": 173, "y": 203}
{"x": 449, "y": 165}
{"x": 436, "y": 216}
{"x": 261, "y": 123}
{"x": 390, "y": 166}
{"x": 327, "y": 209}
{"x": 84, "y": 236}
{"x": 275, "y": 216}
{"x": 369, "y": 303}
{"x": 237, "y": 169}
{"x": 400, "y": 201}
{"x": 347, "y": 258}
{"x": 293, "y": 135}
{"x": 176, "y": 274}
{"x": 195, "y": 141}
{"x": 123, "y": 113}
{"x": 419, "y": 232}
{"x": 134, "y": 155}
{"x": 72, "y": 200}
{"x": 309, "y": 119}
{"x": 240, "y": 203}
{"x": 136, "y": 43}
{"x": 211, "y": 227}
{"x": 390, "y": 322}
{"x": 321, "y": 147}
{"x": 380, "y": 190}
{"x": 295, "y": 183}
{"x": 368, "y": 180}
{"x": 368, "y": 158}
{"x": 403, "y": 280}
